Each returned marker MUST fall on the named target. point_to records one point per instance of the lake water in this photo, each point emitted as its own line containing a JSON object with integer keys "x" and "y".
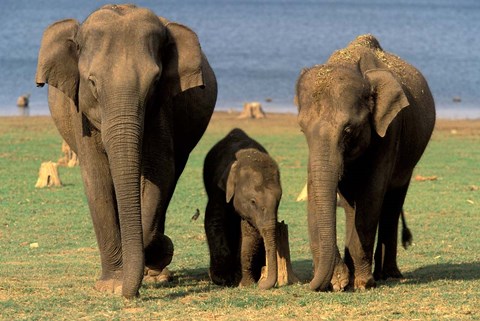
{"x": 257, "y": 48}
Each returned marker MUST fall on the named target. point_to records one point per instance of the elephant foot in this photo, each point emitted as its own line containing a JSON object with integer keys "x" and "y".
{"x": 247, "y": 280}
{"x": 159, "y": 253}
{"x": 246, "y": 283}
{"x": 224, "y": 278}
{"x": 340, "y": 278}
{"x": 388, "y": 272}
{"x": 157, "y": 276}
{"x": 112, "y": 286}
{"x": 364, "y": 283}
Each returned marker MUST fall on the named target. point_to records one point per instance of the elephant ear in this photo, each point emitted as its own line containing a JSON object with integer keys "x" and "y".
{"x": 389, "y": 98}
{"x": 182, "y": 67}
{"x": 58, "y": 59}
{"x": 227, "y": 181}
{"x": 368, "y": 61}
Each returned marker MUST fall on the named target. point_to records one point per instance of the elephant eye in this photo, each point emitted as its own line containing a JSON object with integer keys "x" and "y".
{"x": 253, "y": 202}
{"x": 348, "y": 130}
{"x": 156, "y": 80}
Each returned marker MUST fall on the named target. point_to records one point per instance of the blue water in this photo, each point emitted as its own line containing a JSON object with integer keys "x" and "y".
{"x": 257, "y": 48}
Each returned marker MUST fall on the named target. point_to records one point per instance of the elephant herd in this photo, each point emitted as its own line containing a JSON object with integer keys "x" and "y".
{"x": 132, "y": 94}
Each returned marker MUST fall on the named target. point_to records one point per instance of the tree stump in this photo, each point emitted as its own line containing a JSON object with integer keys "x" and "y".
{"x": 23, "y": 100}
{"x": 69, "y": 158}
{"x": 48, "y": 175}
{"x": 252, "y": 110}
{"x": 285, "y": 273}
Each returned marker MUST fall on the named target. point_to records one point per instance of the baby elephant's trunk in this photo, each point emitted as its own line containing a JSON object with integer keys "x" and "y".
{"x": 269, "y": 238}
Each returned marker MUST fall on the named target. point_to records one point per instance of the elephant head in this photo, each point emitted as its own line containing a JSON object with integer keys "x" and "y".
{"x": 253, "y": 181}
{"x": 343, "y": 106}
{"x": 121, "y": 64}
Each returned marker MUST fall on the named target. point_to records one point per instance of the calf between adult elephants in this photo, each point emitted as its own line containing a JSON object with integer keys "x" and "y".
{"x": 367, "y": 116}
{"x": 132, "y": 94}
{"x": 243, "y": 187}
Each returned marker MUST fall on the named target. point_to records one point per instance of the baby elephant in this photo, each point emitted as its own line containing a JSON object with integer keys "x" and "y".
{"x": 243, "y": 187}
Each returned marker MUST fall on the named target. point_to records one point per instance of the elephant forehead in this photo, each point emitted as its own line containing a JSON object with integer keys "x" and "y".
{"x": 260, "y": 179}
{"x": 119, "y": 8}
{"x": 112, "y": 15}
{"x": 251, "y": 175}
{"x": 332, "y": 76}
{"x": 107, "y": 32}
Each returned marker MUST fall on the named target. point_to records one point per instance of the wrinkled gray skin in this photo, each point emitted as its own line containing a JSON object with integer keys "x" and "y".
{"x": 243, "y": 187}
{"x": 367, "y": 116}
{"x": 132, "y": 94}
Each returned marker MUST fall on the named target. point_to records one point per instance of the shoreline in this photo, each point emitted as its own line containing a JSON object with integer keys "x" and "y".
{"x": 445, "y": 113}
{"x": 468, "y": 126}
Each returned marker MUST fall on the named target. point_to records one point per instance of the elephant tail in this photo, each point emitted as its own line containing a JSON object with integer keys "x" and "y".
{"x": 407, "y": 237}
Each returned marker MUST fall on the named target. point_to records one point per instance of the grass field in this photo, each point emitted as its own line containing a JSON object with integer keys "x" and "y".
{"x": 54, "y": 281}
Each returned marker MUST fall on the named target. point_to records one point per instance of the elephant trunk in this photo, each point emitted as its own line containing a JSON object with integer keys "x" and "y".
{"x": 324, "y": 170}
{"x": 270, "y": 242}
{"x": 122, "y": 133}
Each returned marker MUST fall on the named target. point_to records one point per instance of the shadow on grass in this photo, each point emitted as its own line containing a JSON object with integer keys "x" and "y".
{"x": 194, "y": 281}
{"x": 303, "y": 269}
{"x": 448, "y": 271}
{"x": 186, "y": 281}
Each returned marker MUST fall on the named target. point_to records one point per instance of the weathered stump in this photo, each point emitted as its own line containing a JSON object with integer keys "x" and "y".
{"x": 48, "y": 175}
{"x": 69, "y": 158}
{"x": 285, "y": 273}
{"x": 23, "y": 100}
{"x": 252, "y": 110}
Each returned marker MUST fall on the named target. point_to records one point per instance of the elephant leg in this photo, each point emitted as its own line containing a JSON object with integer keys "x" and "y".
{"x": 101, "y": 201}
{"x": 386, "y": 250}
{"x": 361, "y": 227}
{"x": 159, "y": 248}
{"x": 157, "y": 185}
{"x": 252, "y": 245}
{"x": 222, "y": 228}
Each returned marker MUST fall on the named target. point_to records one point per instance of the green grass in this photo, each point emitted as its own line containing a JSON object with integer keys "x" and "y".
{"x": 55, "y": 281}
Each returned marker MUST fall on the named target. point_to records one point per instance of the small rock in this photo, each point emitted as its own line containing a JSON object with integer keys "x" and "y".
{"x": 34, "y": 245}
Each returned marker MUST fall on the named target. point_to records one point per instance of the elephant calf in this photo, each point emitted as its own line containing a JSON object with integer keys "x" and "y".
{"x": 243, "y": 187}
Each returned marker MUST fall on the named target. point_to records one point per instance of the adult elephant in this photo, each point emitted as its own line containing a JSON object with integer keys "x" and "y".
{"x": 132, "y": 94}
{"x": 367, "y": 116}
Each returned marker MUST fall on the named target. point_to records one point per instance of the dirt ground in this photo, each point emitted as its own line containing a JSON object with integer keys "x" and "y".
{"x": 462, "y": 127}
{"x": 275, "y": 122}
{"x": 459, "y": 127}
